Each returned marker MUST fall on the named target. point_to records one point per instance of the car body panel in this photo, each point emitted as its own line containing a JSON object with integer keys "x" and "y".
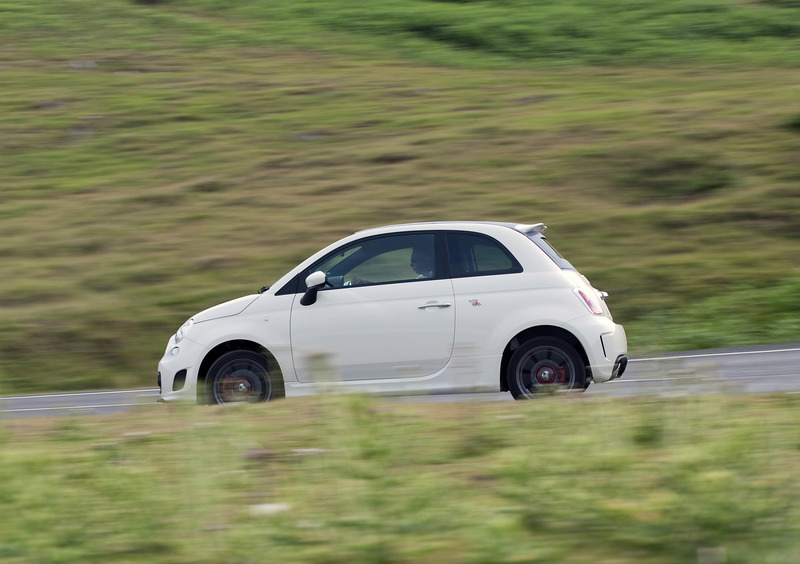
{"x": 375, "y": 332}
{"x": 226, "y": 309}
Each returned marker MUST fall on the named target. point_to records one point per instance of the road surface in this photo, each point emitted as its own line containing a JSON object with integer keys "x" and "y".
{"x": 759, "y": 369}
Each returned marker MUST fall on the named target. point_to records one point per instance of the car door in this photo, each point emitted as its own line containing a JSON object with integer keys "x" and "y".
{"x": 386, "y": 313}
{"x": 487, "y": 288}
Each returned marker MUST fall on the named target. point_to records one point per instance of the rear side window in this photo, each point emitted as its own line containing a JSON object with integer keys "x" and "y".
{"x": 472, "y": 254}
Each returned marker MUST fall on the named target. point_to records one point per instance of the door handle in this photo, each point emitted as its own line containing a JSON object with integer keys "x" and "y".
{"x": 437, "y": 304}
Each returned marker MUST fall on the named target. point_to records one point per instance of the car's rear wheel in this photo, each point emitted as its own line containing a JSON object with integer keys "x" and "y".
{"x": 545, "y": 364}
{"x": 239, "y": 377}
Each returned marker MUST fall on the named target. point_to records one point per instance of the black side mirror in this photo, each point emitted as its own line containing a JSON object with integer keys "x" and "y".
{"x": 314, "y": 282}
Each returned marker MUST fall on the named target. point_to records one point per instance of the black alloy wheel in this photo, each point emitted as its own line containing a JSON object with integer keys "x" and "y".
{"x": 239, "y": 377}
{"x": 545, "y": 364}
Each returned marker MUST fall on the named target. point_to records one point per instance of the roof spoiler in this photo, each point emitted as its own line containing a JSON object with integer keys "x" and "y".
{"x": 527, "y": 229}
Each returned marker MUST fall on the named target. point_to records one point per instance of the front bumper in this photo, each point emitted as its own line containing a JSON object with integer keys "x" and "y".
{"x": 177, "y": 371}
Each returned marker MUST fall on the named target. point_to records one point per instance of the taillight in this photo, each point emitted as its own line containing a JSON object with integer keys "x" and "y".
{"x": 590, "y": 300}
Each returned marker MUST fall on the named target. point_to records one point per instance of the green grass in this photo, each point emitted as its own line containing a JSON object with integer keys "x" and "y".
{"x": 351, "y": 479}
{"x": 743, "y": 316}
{"x": 160, "y": 157}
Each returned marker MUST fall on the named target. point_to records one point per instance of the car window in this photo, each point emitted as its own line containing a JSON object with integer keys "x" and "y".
{"x": 382, "y": 260}
{"x": 489, "y": 257}
{"x": 328, "y": 264}
{"x": 478, "y": 255}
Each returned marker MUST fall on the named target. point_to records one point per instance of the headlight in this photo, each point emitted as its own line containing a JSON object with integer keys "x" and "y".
{"x": 181, "y": 333}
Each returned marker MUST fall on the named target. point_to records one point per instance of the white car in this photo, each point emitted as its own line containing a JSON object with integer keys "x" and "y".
{"x": 403, "y": 309}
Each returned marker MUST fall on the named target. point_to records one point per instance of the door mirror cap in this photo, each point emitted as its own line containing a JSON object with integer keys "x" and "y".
{"x": 316, "y": 280}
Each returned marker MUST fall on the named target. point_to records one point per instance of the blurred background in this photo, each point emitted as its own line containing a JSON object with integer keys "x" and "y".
{"x": 158, "y": 157}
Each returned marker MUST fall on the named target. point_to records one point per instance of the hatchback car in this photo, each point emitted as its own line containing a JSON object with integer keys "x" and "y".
{"x": 403, "y": 309}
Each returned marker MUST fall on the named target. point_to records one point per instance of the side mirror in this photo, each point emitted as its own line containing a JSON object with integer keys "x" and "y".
{"x": 314, "y": 282}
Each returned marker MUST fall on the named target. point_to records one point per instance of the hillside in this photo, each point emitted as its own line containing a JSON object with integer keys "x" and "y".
{"x": 159, "y": 157}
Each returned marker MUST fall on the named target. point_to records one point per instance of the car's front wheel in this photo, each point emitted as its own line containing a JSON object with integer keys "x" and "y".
{"x": 545, "y": 364}
{"x": 239, "y": 377}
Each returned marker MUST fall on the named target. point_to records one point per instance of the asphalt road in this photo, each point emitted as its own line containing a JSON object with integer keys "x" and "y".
{"x": 761, "y": 369}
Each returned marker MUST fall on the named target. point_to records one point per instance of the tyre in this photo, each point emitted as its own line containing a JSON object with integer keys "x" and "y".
{"x": 545, "y": 364}
{"x": 240, "y": 377}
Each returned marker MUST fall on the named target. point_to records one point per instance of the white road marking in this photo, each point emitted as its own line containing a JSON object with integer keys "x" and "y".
{"x": 69, "y": 407}
{"x": 147, "y": 391}
{"x": 709, "y": 355}
{"x": 622, "y": 380}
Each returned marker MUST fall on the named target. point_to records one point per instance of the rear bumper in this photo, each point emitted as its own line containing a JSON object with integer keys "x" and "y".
{"x": 613, "y": 360}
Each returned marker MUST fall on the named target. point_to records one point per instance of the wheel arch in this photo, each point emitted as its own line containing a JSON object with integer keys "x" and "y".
{"x": 540, "y": 331}
{"x": 273, "y": 366}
